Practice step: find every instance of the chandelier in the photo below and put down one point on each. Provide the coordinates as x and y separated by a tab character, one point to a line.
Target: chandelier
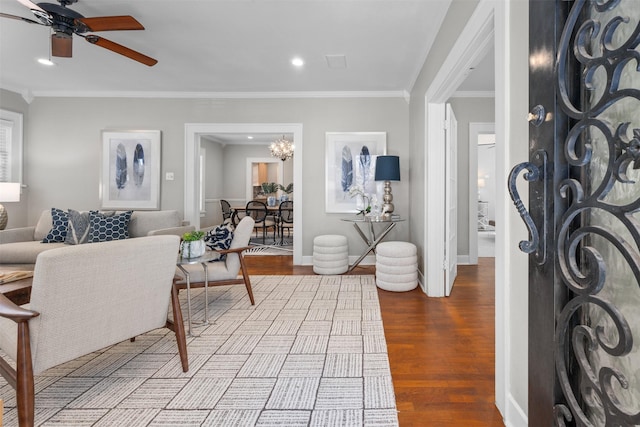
282	149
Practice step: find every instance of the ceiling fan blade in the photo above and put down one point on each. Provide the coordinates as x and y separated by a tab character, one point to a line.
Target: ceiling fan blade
122	50
19	18
31	5
61	45
111	23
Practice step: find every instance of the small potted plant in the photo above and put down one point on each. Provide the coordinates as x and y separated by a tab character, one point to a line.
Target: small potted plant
269	189
192	245
286	190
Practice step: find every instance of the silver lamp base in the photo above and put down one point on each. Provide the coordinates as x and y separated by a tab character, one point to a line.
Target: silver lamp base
387	206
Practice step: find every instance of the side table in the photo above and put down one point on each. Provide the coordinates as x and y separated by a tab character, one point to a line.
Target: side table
202	260
370	237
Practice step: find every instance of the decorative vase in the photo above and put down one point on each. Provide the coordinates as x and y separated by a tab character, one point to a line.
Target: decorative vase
192	249
271	201
284	197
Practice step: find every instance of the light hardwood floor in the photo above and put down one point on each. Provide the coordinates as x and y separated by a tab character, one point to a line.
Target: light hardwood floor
441	350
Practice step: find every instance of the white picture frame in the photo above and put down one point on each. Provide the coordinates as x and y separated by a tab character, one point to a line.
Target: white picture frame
130	173
342	149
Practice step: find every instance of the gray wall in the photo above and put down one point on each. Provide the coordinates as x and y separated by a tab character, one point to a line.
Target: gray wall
62	147
214	182
467	110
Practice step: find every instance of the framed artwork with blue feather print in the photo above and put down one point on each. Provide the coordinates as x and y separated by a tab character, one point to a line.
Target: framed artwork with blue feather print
130	173
350	170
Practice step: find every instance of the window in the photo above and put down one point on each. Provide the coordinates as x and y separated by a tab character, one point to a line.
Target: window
203	156
10	146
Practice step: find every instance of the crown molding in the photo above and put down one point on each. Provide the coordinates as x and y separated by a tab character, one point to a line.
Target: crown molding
219	95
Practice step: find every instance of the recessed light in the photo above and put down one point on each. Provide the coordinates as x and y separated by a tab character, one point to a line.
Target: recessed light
45	61
298	62
249	137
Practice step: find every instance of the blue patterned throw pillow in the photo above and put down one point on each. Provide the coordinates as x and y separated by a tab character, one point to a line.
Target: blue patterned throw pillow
78	230
59	222
219	238
104	228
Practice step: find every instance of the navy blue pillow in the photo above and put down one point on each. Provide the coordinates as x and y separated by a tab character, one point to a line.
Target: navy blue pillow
59	222
219	238
104	228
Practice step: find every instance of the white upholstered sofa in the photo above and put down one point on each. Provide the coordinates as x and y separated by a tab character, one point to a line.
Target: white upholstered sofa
21	246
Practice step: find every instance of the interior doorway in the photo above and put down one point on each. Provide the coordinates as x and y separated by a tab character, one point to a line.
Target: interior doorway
482	191
488	19
195	132
260	170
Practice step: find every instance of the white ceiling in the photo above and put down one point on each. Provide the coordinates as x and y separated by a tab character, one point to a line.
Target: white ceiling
229	46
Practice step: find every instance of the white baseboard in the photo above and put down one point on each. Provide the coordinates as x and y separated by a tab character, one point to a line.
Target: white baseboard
515	416
464	260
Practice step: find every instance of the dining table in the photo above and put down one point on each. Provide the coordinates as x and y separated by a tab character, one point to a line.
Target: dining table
273	211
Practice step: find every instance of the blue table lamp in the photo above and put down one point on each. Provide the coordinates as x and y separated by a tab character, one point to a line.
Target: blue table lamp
387	169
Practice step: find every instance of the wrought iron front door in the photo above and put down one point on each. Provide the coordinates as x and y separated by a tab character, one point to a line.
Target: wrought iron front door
584	199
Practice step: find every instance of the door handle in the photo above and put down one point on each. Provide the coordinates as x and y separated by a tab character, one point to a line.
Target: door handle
536	172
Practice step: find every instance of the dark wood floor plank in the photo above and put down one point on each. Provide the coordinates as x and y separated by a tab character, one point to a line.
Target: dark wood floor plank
441	350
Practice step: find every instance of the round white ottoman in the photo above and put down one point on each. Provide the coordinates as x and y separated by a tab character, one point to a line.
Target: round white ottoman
330	254
396	266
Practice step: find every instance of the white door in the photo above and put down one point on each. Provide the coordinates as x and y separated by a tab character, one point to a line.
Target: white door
451	199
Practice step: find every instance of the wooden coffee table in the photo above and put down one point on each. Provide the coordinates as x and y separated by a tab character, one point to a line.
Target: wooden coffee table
18	291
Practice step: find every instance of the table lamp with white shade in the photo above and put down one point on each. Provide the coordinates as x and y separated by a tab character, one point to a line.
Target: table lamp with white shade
387	169
9	192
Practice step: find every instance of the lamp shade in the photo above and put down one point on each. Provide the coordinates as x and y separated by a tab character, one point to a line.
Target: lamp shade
9	191
387	168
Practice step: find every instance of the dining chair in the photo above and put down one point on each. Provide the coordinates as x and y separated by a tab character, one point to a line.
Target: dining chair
258	211
227	212
285	216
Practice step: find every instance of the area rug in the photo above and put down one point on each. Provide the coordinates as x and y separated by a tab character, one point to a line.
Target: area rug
270	247
311	352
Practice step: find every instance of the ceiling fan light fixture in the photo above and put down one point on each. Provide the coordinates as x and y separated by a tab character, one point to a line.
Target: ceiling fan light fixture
61	44
65	23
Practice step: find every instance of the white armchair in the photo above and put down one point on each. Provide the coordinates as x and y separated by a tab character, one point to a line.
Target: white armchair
84	298
224	272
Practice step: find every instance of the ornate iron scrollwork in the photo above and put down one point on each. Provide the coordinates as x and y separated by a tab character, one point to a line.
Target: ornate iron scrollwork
607	51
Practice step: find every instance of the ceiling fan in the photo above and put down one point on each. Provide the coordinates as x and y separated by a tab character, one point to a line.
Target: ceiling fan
66	22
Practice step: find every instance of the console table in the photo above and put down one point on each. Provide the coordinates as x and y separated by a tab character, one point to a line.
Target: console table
368	235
